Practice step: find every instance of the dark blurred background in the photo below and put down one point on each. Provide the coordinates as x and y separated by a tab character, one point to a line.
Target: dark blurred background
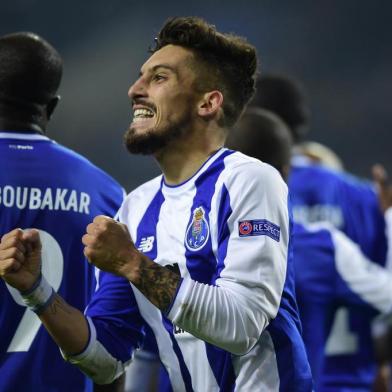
340	50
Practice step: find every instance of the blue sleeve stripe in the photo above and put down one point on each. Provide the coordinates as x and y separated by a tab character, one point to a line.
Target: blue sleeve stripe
116	317
222	367
184	370
289	350
224	213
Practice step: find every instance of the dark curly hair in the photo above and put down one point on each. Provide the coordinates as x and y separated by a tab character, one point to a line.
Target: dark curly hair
227	62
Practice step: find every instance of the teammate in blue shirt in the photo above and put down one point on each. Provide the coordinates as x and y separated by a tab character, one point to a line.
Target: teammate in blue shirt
49	187
321	194
205	246
330	269
318	193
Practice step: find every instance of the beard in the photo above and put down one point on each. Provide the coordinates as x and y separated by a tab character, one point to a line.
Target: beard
154	140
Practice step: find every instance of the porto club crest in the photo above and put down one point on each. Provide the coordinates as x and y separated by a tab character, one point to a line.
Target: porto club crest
198	230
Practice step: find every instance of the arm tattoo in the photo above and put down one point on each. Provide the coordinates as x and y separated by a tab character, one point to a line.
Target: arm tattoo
58	304
157	283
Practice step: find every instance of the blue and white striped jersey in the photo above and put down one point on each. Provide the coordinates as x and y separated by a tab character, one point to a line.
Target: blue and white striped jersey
351	205
234	323
49	187
331	272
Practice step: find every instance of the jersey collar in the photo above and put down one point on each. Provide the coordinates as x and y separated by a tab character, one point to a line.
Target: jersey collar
31	136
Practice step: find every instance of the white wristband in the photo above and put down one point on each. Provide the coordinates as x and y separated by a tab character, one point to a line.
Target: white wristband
39	296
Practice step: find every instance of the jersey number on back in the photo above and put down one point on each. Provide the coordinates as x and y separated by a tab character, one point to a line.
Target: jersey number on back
52	269
341	340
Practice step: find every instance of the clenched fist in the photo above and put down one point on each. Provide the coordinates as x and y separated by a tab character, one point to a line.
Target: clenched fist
108	245
20	258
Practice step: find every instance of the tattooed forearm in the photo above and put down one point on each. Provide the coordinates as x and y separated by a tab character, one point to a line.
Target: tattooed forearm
58	305
157	283
67	325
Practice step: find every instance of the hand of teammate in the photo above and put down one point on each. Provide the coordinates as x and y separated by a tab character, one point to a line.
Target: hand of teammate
384	189
108	245
20	258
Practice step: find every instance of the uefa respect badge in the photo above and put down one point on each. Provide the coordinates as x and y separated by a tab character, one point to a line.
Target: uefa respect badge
251	228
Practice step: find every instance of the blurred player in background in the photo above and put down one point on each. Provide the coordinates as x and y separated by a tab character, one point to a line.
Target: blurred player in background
211	262
382	326
142	375
49	187
321	154
330	269
322	194
382	334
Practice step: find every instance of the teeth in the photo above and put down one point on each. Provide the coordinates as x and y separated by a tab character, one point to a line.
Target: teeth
139	119
143	113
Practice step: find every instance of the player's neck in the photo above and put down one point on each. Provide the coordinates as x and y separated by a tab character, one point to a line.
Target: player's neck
7	124
180	161
20	127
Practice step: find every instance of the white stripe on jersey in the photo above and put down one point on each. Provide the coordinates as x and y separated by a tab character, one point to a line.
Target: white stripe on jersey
259	364
365	278
196	360
173	219
388	232
127	211
153	318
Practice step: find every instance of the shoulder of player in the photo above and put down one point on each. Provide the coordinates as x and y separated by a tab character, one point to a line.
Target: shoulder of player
241	169
339	178
316	171
76	161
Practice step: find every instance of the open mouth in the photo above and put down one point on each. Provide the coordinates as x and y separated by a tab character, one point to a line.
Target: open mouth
142	114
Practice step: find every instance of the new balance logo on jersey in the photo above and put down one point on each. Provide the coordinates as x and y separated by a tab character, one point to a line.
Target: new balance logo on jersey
177	330
146	244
